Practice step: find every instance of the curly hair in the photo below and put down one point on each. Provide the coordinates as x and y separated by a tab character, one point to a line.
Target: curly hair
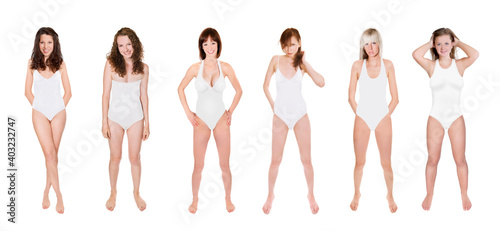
440	32
116	59
285	41
37	58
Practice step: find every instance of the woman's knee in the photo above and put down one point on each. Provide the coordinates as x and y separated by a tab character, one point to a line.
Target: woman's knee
135	159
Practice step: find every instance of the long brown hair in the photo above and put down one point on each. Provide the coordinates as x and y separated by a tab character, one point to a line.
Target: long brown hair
37	58
286	36
214	35
439	32
116	59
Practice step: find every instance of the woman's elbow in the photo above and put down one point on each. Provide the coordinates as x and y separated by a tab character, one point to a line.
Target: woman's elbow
475	55
321	84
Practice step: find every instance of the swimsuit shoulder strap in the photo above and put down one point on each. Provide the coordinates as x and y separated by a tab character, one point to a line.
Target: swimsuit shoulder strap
200	72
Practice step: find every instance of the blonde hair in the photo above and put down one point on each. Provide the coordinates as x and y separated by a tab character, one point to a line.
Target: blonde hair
368	36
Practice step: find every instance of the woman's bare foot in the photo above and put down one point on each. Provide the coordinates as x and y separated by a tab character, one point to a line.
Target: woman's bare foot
46	201
141	204
229	206
426	205
392	204
312	203
355	201
60	205
466	204
269	203
111	203
194	206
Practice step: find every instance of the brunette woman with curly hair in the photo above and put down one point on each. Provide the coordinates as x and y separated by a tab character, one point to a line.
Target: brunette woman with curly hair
126	78
46	71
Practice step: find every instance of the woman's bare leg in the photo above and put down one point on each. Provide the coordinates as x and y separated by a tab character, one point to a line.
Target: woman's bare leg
201	135
222	138
383	134
302	131
46	132
361	136
115	148
457	140
435	134
134	135
280	131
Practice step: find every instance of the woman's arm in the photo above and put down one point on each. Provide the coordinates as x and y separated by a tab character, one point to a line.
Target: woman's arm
391	77
145	102
270	71
229	72
105	100
29	84
472	55
190	74
65	83
315	76
356	67
425	63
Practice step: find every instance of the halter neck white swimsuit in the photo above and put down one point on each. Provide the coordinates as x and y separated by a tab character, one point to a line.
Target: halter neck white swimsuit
289	104
446	85
210	106
372	106
125	107
47	92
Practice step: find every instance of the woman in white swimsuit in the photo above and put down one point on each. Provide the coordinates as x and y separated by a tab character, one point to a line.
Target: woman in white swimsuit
46	72
372	111
126	81
210	110
446	83
290	110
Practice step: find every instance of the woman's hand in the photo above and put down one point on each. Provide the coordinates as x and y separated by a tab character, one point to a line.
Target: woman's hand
146	133
228	118
456	43
105	131
192	118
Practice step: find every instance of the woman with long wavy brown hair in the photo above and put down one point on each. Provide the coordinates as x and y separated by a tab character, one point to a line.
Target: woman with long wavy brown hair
46	72
126	80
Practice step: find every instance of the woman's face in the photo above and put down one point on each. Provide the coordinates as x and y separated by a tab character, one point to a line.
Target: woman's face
210	48
443	45
125	46
291	49
371	49
46	45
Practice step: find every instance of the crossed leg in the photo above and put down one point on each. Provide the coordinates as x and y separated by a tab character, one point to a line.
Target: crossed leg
49	135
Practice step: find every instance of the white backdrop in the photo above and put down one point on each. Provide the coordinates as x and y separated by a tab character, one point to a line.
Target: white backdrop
250	32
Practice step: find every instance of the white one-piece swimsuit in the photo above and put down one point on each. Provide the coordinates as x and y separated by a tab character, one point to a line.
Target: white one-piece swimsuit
210	105
289	104
446	86
125	107
47	92
372	106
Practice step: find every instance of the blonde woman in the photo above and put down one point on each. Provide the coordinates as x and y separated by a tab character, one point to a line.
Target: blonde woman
372	112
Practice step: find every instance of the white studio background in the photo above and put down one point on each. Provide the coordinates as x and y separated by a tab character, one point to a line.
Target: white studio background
250	31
